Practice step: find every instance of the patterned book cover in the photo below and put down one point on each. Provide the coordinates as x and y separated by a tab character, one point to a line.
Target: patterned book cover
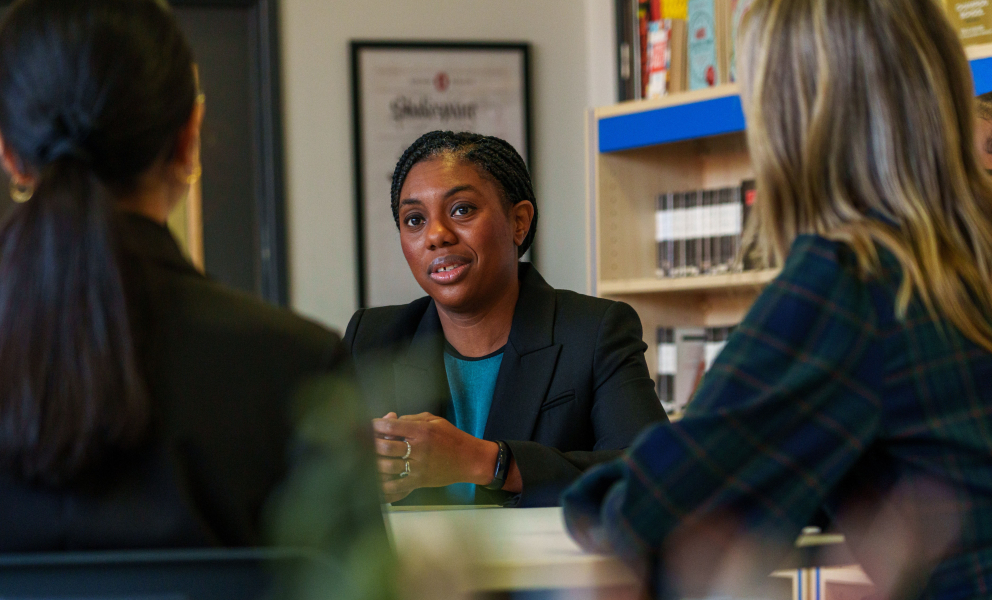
703	70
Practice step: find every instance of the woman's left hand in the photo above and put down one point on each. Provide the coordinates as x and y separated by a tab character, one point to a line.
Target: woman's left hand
440	454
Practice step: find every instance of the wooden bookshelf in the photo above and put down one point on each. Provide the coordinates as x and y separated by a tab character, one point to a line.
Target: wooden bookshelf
635	155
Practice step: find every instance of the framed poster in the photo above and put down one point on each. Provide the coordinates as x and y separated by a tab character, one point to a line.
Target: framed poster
402	90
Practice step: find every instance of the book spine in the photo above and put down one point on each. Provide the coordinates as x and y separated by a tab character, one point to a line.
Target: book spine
702	51
726	233
736	224
674	9
706	233
690	349
748	194
642	20
625	53
635	50
716	339
658	39
663	234
691	233
677	48
678	233
655	12
723	14
667	362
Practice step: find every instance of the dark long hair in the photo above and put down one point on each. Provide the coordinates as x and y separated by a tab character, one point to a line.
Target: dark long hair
493	157
92	94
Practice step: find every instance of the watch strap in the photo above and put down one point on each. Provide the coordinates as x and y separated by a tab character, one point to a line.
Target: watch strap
502	467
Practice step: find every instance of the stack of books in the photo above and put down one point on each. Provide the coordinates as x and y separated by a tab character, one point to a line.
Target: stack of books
684	356
700	232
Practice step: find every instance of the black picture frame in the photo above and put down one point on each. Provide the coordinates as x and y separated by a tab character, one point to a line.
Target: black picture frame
356	47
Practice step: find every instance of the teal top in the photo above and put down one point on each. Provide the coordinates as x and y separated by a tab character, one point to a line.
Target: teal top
472	382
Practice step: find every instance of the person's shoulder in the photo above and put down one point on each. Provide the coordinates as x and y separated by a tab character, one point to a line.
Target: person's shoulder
573	304
819	263
820	276
588	315
207	306
384	326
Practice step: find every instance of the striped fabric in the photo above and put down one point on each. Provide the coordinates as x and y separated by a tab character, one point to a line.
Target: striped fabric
822	399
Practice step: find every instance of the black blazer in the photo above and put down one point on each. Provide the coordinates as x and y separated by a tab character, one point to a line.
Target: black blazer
222	368
573	388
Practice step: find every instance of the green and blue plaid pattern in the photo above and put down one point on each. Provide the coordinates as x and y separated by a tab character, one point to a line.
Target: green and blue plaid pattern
821	398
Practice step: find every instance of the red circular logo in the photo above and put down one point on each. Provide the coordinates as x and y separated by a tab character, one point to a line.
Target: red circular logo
442	82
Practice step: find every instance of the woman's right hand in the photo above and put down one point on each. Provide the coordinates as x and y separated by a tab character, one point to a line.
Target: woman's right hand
440	454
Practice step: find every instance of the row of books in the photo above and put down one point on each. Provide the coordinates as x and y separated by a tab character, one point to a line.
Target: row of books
669	46
684	356
700	232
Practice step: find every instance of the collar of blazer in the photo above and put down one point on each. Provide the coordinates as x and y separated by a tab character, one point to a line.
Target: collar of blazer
529	361
150	240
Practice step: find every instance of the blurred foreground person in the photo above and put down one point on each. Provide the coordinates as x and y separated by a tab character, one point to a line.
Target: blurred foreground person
141	404
859	380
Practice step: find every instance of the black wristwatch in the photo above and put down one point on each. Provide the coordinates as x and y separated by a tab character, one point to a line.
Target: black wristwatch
502	467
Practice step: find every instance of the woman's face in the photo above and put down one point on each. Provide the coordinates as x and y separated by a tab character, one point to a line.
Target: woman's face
457	235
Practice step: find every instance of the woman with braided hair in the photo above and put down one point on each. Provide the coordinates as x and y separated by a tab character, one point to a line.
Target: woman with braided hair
496	388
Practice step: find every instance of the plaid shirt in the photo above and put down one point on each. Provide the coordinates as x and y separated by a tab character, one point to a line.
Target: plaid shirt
821	398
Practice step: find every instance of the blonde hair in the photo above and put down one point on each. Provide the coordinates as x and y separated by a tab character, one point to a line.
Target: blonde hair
860	126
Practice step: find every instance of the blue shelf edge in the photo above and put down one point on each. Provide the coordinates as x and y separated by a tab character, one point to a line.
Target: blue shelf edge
981	73
707	118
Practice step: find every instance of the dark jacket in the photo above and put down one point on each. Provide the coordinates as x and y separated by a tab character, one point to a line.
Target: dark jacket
573	389
222	368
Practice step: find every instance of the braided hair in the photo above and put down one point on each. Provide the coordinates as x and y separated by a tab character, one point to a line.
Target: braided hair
493	157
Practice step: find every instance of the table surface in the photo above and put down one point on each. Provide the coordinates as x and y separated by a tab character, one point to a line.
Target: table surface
495	548
480	549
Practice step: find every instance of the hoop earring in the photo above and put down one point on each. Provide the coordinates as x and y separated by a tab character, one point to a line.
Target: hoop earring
195	175
21	192
192	177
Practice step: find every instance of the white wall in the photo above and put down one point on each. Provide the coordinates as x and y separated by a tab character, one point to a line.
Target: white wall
572	68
